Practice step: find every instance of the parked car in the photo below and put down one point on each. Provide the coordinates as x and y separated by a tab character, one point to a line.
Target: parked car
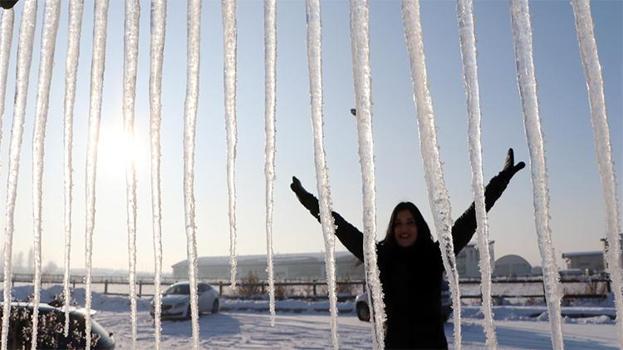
50	330
363	310
176	300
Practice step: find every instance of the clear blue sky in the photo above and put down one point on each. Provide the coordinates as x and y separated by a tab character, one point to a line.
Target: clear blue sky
577	209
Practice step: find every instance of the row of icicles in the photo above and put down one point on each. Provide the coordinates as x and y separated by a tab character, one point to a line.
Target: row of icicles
438	195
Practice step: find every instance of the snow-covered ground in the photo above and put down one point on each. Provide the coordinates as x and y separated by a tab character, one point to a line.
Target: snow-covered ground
245	325
249	330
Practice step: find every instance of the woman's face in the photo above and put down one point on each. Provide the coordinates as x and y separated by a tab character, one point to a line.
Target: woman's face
405	229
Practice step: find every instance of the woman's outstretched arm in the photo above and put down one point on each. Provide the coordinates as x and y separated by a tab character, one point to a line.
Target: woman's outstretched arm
348	234
465	226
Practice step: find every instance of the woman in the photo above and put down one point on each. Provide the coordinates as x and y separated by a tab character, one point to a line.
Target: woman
410	263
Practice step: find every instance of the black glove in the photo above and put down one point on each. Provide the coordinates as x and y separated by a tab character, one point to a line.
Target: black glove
308	200
498	183
8	4
510	168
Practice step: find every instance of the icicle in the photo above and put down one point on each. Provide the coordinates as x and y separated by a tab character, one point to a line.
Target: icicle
270	52
6	37
601	134
24	58
158	22
470	74
71	67
229	72
190	111
48	44
437	191
132	14
314	56
95	107
522	40
361	73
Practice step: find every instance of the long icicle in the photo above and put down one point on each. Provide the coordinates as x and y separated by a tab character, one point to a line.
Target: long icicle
314	56
601	135
467	37
158	26
71	67
95	111
132	15
51	15
190	112
360	42
437	191
270	53
522	41
24	58
6	37
229	79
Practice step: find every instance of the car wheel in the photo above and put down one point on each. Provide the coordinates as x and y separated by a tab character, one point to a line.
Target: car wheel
215	306
363	312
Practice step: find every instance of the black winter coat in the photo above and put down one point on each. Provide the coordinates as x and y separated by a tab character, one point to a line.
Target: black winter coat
411	277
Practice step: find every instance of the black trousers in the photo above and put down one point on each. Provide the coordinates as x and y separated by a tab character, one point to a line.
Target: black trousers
407	335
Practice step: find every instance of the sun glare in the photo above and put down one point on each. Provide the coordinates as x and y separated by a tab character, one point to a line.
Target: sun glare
116	149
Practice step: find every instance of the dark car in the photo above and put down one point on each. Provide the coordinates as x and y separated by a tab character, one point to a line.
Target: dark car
363	310
50	333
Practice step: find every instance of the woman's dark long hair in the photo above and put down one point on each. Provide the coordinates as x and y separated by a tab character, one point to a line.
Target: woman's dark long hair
422	226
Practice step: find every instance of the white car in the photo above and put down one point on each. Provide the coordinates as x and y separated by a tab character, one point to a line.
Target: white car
176	300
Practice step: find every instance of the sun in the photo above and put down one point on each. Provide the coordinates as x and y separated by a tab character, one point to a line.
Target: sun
116	149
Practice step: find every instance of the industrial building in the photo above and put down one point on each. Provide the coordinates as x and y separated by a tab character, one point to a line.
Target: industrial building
303	266
588	263
605	245
468	260
309	266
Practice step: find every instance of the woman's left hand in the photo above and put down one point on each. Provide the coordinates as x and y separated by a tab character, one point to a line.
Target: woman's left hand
510	168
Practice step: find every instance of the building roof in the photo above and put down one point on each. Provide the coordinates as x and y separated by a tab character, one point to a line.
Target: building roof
606	238
577	254
261	259
475	244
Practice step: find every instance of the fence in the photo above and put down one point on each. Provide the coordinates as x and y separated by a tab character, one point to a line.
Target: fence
503	288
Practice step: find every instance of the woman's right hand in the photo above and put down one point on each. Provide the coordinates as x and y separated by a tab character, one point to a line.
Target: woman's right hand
308	200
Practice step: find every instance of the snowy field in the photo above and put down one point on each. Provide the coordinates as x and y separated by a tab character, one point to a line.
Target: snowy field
248	330
299	325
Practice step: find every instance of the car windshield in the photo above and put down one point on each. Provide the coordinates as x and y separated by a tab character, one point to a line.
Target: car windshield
182	289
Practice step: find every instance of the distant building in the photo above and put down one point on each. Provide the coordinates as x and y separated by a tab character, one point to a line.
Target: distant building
308	266
512	266
468	260
605	243
587	262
